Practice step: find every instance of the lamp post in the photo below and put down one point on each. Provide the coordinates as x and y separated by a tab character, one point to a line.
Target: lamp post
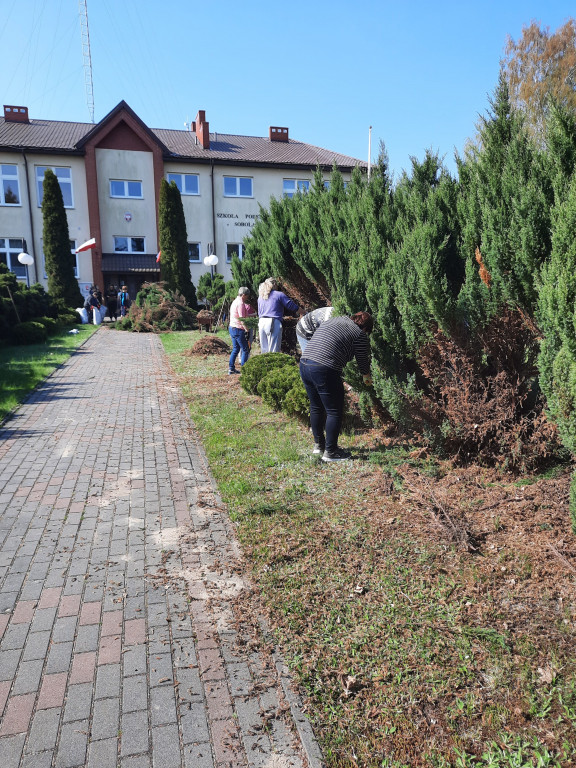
27	260
211	262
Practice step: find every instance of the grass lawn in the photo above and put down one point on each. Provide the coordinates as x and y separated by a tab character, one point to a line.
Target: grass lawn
23	368
427	611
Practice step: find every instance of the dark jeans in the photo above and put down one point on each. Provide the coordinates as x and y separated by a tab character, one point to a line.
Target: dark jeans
239	343
326	394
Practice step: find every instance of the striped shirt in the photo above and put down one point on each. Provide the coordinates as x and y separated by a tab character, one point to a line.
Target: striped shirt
309	324
337	342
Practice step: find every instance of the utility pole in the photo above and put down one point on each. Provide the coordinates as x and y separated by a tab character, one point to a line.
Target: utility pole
83	11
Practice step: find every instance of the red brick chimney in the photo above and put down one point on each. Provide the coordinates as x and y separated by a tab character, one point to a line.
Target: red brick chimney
16	114
278	134
202	129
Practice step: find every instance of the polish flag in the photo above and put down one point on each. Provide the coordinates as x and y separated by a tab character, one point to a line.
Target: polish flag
158	257
87	245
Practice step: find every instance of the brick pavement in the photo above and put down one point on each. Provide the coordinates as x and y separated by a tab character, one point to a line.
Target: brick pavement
118	572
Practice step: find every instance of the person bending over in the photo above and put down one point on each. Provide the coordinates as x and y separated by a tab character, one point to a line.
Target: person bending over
309	324
335	343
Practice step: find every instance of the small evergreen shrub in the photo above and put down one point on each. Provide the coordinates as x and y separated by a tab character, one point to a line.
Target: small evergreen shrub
276	385
296	401
51	325
29	333
68	318
259	366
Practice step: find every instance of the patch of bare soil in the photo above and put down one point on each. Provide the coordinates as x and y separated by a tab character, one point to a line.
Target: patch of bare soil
209	345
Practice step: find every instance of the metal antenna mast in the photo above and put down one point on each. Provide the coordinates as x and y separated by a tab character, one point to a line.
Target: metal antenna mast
83	10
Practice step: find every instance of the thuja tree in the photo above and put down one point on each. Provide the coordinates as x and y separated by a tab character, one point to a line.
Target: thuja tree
557	320
174	260
58	258
504	207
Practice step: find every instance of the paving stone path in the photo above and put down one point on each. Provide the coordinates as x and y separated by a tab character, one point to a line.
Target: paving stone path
118	573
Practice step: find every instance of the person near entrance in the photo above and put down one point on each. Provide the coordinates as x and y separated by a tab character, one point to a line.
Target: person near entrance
124	301
112	301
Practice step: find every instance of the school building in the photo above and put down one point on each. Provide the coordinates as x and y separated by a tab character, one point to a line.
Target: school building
110	175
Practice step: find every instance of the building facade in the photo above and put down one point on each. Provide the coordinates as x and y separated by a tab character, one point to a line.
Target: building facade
110	175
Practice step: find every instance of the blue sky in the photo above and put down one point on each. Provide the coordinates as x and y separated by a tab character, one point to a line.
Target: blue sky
419	73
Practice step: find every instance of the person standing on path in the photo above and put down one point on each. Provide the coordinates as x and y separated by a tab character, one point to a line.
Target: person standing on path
237	330
309	324
335	343
124	301
271	306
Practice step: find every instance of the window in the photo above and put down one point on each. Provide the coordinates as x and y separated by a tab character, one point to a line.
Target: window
187	183
74	259
121	188
193	251
10	247
327	185
129	245
64	176
9	190
234	248
291	186
237	186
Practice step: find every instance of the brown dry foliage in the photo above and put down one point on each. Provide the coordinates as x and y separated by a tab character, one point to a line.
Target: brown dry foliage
483	404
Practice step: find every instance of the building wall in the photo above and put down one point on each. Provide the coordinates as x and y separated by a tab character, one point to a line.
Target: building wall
230	219
212	219
126	217
25	221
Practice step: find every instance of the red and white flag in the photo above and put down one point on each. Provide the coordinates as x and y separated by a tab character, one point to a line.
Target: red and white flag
158	257
87	245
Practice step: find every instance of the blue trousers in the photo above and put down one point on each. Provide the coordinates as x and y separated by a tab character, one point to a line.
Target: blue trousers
325	391
239	344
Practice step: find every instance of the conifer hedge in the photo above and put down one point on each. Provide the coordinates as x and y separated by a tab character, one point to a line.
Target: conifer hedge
464	273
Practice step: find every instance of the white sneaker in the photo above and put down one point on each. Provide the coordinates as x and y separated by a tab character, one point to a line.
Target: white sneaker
336	455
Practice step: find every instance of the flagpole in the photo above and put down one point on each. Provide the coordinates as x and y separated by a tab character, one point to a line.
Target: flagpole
369	150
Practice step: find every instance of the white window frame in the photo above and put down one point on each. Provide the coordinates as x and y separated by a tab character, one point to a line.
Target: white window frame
238	179
5	175
126	183
237	248
181	184
199	259
55	169
12	252
129	239
300	185
73	252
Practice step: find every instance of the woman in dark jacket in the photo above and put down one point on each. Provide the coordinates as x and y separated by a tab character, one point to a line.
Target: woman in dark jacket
335	342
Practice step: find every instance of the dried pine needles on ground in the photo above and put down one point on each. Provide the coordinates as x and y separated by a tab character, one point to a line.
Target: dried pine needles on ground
428	611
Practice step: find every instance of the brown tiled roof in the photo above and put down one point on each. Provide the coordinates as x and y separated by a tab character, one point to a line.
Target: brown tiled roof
53	135
42	135
251	149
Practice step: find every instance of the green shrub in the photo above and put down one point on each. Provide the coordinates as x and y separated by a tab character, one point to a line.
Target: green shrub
49	324
124	324
296	402
274	387
69	318
259	366
29	333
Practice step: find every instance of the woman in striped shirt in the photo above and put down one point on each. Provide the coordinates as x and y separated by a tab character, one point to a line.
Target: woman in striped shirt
335	343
